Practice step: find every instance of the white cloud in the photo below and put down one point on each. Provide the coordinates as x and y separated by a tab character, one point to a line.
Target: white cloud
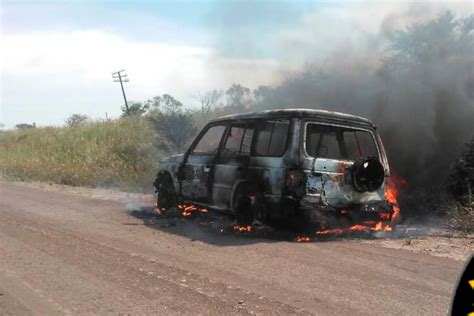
50	75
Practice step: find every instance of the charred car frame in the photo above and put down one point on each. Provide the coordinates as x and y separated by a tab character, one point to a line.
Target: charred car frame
280	164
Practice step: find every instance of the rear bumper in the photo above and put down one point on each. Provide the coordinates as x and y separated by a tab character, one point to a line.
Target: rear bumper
310	203
374	212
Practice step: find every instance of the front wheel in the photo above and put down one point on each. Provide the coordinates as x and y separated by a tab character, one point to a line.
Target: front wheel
165	195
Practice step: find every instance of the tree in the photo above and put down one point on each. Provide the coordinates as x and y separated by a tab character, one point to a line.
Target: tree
165	103
76	120
25	125
238	96
209	101
135	108
170	121
263	92
461	179
170	104
434	41
177	127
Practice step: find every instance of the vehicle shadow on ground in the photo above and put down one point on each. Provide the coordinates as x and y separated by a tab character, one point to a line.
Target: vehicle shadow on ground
211	227
218	229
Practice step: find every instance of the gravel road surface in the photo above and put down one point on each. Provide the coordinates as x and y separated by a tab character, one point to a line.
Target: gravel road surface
64	252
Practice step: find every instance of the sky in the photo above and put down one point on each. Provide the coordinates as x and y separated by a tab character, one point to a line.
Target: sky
57	57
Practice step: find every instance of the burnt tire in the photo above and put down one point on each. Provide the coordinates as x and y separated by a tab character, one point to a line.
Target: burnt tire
165	194
367	174
248	205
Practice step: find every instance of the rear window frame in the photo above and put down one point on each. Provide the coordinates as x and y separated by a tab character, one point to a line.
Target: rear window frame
371	131
259	123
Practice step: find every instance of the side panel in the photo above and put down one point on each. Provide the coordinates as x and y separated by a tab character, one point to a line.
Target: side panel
195	181
270	172
227	172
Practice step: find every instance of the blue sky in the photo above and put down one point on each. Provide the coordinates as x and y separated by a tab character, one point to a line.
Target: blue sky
176	22
60	54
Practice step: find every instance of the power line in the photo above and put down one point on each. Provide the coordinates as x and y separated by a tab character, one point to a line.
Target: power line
121	76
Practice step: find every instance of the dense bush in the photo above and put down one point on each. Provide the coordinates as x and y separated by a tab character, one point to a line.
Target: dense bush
123	153
461	187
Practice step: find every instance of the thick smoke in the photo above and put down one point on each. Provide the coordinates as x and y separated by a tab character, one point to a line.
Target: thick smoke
412	73
416	84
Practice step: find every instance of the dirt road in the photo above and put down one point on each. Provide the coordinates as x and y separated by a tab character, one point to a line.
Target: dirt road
62	252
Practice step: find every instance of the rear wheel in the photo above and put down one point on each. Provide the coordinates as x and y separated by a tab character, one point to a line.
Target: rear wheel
248	205
165	195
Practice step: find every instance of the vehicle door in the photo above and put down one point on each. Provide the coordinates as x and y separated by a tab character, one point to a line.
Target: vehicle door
329	149
267	163
197	166
231	165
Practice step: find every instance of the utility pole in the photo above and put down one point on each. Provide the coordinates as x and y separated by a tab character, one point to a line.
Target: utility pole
121	76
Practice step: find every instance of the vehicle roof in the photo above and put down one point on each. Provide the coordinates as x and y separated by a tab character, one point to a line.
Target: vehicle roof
296	112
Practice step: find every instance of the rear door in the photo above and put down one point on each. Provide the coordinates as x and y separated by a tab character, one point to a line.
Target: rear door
197	166
231	165
329	149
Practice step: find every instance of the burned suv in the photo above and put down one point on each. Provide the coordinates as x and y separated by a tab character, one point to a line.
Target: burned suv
281	164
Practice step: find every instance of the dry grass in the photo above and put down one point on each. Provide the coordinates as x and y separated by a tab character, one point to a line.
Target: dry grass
117	153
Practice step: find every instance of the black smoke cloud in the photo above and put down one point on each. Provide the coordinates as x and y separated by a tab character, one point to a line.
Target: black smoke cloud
416	84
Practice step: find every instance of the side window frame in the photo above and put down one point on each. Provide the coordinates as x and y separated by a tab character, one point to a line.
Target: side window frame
258	128
247	123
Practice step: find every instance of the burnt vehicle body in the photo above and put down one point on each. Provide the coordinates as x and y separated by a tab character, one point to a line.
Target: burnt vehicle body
279	164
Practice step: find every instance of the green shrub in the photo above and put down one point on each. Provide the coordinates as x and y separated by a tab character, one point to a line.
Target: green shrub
121	153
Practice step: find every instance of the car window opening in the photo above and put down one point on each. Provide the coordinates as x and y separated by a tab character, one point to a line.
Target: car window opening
209	142
238	141
272	137
336	142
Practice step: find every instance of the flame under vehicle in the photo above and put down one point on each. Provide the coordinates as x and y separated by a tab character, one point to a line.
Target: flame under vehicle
282	164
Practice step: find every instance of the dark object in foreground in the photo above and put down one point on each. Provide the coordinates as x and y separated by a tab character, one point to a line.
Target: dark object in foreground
282	164
463	300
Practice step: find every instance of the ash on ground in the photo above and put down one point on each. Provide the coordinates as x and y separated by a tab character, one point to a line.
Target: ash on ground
219	228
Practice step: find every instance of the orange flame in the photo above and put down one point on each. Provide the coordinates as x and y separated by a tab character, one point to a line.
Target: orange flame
302	239
188	210
385	216
242	228
335	231
365	226
159	211
391	193
358	227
